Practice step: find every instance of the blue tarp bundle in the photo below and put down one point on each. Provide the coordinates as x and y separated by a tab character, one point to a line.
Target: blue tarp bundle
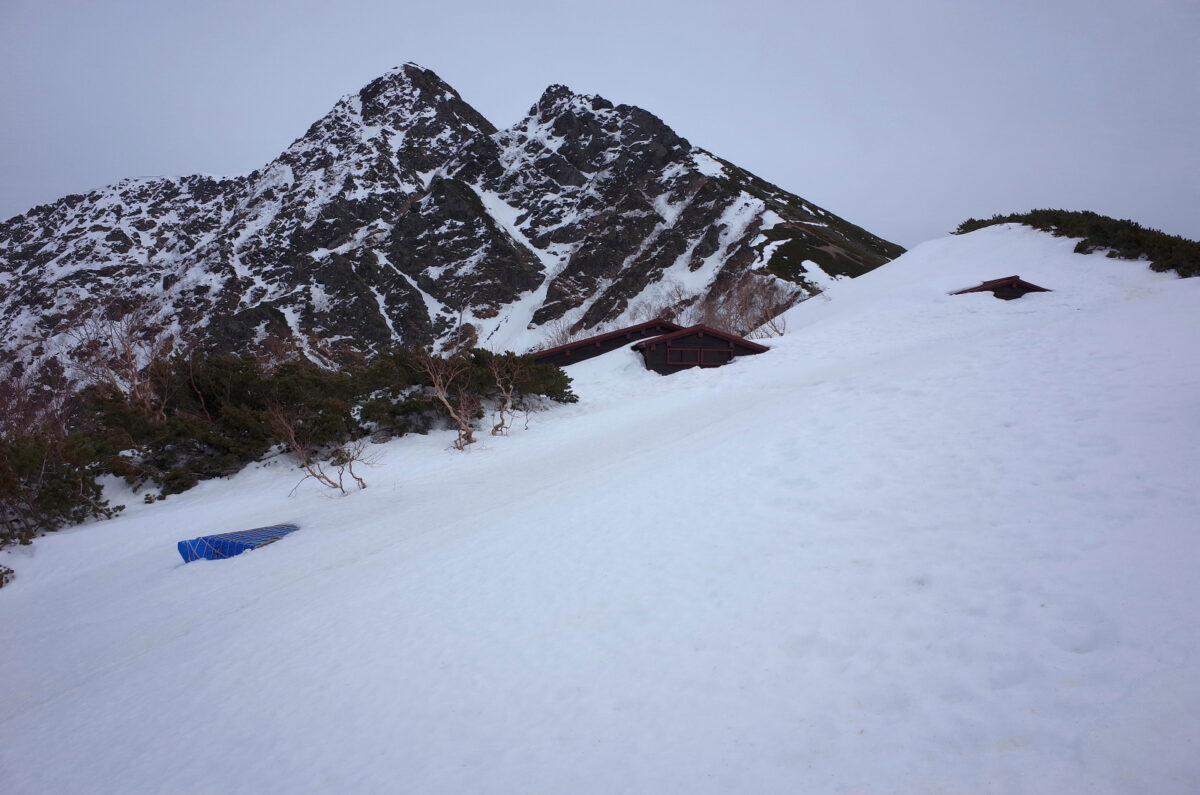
226	545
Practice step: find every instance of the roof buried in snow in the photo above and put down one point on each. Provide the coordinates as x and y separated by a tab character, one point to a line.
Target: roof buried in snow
665	346
694	346
1008	288
581	350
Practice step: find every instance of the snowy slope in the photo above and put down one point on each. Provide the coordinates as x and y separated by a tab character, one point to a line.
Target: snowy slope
925	544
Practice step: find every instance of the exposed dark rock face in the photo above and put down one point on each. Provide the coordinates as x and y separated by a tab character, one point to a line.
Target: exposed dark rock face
403	215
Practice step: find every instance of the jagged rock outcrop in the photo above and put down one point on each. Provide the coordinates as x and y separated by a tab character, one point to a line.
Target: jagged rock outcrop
403	215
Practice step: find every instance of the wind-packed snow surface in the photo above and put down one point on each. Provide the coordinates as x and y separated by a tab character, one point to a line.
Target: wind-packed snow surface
927	543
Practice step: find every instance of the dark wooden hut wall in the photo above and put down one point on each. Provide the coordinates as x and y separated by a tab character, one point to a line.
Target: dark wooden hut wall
698	346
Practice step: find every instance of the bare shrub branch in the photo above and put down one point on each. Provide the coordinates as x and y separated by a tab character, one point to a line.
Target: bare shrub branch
449	380
507	371
746	307
558	332
285	424
126	357
774	327
39	397
672	303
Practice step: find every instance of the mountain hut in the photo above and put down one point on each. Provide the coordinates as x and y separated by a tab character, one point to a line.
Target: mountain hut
1006	289
695	346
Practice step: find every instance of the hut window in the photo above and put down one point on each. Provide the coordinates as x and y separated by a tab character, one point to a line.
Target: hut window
716	356
683	356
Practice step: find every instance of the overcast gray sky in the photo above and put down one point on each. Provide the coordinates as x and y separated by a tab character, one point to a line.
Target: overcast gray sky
905	118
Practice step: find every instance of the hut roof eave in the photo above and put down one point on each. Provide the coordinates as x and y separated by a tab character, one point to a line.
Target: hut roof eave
703	329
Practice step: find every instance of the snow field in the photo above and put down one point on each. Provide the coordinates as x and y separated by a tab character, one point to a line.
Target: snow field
925	544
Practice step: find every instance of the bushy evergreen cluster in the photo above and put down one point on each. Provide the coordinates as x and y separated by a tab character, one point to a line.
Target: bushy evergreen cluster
1123	239
211	415
47	480
203	416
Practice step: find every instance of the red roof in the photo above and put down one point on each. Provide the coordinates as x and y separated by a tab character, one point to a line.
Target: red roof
1008	282
702	329
604	337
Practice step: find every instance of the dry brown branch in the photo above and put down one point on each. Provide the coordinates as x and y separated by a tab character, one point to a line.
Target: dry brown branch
745	307
774	327
345	457
37	397
558	332
127	358
448	380
506	371
672	303
286	426
461	339
274	349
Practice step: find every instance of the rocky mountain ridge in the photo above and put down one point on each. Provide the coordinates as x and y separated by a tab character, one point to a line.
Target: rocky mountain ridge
405	216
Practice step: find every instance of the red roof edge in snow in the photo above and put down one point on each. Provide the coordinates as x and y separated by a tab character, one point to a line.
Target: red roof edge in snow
1007	288
580	350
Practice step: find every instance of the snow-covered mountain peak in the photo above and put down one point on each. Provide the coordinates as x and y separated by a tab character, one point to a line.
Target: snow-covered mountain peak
403	215
586	127
409	115
558	98
414	89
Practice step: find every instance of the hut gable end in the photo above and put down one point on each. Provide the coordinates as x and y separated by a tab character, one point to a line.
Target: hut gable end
695	346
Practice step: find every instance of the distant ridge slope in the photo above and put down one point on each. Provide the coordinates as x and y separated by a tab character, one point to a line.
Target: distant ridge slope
1124	239
405	216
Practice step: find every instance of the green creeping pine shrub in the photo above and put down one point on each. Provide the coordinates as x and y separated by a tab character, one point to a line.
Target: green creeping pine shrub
530	378
212	425
219	413
212	415
209	416
48	481
401	415
1123	239
548	380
